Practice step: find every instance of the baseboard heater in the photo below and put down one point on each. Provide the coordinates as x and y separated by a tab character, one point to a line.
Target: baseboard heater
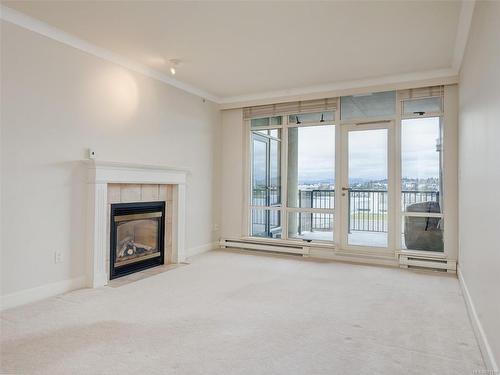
422	261
262	246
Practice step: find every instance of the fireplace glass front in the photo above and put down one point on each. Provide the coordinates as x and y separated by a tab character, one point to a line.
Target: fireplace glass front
137	237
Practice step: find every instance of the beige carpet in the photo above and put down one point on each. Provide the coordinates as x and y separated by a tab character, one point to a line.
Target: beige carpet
246	313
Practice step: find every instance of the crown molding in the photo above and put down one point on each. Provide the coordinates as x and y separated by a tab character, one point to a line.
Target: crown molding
394	82
42	28
463	28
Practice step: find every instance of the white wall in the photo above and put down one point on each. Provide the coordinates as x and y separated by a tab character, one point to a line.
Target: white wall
232	173
56	102
450	170
479	181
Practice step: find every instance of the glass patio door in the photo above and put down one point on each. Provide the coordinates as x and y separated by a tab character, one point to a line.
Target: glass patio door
367	186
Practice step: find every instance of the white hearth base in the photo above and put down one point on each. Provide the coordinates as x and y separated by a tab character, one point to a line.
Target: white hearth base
100	174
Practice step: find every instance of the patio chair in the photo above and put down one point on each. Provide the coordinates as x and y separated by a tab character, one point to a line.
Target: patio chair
424	233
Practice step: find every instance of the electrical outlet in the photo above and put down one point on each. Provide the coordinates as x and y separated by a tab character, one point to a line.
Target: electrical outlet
58	258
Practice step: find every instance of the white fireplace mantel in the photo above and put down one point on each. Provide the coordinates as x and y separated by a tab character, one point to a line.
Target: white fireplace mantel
100	174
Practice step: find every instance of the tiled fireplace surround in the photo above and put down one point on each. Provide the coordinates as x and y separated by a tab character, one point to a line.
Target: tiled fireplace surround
124	183
127	193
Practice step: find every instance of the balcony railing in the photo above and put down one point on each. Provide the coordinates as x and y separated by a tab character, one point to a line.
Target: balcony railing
367	208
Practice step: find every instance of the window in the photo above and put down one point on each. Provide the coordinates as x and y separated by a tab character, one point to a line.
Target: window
421	184
265	223
310	226
422	106
423	233
266	182
293	191
311	166
421	162
421	101
311	181
308	135
360	106
266	121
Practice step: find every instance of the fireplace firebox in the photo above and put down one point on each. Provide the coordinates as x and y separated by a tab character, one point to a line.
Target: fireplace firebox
137	237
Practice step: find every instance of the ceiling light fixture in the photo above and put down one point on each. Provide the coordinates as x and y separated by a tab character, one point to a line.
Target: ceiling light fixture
174	63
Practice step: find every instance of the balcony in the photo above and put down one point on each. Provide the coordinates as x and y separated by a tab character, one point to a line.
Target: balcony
368	219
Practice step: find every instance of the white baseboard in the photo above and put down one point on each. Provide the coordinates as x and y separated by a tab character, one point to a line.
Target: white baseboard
201	249
370	259
481	337
40	292
53	289
309	250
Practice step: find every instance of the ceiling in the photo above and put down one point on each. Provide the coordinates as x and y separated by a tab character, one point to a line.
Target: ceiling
237	49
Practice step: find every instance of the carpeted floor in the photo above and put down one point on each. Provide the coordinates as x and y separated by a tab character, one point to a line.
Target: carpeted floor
247	313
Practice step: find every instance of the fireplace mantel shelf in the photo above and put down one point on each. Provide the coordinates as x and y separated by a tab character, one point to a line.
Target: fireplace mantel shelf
121	165
102	173
128	173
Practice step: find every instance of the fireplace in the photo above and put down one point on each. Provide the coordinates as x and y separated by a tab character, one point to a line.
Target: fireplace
113	183
137	237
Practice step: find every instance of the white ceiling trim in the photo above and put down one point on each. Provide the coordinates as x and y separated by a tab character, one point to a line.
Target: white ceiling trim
464	22
393	82
32	24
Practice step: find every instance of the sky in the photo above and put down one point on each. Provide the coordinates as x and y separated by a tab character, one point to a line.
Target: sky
316	153
368	154
418	144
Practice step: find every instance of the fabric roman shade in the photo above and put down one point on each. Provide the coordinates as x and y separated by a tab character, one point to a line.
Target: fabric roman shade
306	106
421	92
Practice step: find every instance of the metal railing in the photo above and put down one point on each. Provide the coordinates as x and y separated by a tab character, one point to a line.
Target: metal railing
367	208
265	222
309	222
